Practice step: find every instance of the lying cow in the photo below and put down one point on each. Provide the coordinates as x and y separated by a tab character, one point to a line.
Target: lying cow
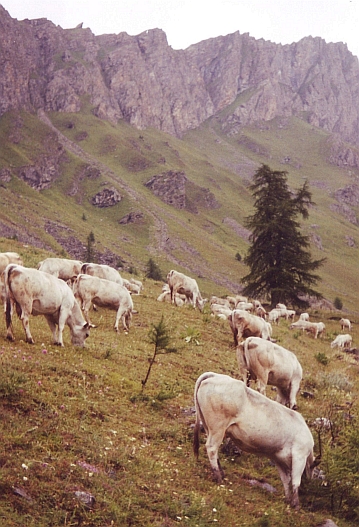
62	268
244	324
257	425
220	311
269	363
90	290
180	283
34	292
342	341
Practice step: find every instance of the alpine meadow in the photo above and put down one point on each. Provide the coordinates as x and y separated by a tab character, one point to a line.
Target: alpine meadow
234	162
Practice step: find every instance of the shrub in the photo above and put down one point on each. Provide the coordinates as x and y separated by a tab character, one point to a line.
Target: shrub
153	271
338	304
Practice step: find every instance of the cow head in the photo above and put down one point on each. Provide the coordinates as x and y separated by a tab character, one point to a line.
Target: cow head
80	334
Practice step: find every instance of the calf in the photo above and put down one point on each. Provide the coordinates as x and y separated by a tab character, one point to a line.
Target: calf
257	425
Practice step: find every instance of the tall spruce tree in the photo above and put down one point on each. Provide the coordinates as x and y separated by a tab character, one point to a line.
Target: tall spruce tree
281	266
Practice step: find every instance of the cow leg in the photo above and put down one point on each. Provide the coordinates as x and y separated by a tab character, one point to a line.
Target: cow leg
285	477
212	445
61	324
53	327
26	326
262	383
282	396
86	306
293	390
120	315
298	466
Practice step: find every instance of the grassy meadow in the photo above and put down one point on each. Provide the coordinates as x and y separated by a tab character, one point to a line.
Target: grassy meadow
84	443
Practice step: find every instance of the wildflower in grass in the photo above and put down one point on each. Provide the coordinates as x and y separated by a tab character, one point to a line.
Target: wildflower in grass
39	383
44	351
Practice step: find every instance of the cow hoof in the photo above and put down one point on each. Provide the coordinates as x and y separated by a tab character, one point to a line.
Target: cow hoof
30	341
10	337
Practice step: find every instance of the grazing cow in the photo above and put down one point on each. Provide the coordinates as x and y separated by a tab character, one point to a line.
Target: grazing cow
35	292
269	363
90	290
9	257
257	425
137	282
260	312
103	271
244	324
345	324
274	315
281	306
316	328
342	341
180	283
304	316
62	268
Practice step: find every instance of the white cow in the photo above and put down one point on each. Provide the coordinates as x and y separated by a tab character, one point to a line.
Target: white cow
220	310
269	363
102	271
9	257
342	341
133	288
247	306
34	292
180	283
62	268
244	324
345	324
315	328
304	316
90	290
257	425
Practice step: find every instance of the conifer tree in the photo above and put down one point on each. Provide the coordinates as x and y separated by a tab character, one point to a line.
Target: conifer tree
281	266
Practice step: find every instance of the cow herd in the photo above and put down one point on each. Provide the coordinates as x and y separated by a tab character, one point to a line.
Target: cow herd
64	290
228	407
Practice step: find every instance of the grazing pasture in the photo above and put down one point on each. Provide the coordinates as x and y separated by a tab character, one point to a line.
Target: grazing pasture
83	443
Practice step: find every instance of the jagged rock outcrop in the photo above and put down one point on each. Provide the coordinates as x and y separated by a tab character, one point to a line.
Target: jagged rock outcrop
143	80
170	187
342	154
108	197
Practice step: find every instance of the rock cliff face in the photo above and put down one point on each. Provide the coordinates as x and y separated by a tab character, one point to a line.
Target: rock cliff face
143	80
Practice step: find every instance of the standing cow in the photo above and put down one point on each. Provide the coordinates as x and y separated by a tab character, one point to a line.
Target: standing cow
180	283
257	425
62	268
90	290
269	363
34	292
103	271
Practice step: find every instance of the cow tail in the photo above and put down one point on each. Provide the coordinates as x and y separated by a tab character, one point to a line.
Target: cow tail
199	415
9	295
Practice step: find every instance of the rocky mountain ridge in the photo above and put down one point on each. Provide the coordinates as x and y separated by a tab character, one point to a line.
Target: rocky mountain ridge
142	80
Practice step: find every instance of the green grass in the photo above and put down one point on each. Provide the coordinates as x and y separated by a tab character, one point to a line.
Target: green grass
77	420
